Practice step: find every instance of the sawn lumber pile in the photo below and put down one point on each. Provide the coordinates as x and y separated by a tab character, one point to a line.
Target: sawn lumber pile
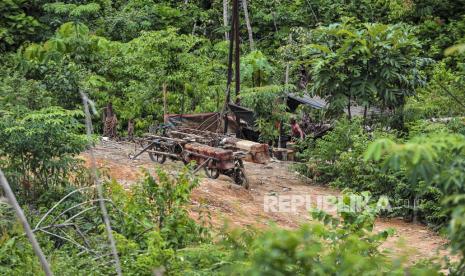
223	159
255	152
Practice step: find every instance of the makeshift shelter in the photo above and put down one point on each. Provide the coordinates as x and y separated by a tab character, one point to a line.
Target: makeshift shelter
294	100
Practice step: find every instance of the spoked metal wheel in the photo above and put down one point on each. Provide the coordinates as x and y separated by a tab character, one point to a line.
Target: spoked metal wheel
240	178
212	173
238	175
159	158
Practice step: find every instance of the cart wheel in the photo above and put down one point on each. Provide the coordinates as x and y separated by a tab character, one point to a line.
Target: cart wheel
157	158
240	178
212	173
184	157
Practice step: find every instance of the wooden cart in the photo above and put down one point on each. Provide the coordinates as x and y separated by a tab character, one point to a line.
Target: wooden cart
214	160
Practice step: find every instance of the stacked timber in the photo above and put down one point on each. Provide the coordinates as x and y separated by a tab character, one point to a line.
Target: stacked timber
217	153
224	159
255	152
284	154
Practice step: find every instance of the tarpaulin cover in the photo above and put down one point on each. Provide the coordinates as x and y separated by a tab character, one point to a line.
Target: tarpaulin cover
245	114
294	100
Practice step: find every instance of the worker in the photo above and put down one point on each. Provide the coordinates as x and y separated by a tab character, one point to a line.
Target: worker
296	131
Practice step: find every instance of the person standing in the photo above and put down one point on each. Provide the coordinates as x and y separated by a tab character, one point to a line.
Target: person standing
296	131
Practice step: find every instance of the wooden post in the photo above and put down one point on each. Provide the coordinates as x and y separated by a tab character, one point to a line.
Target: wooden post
164	103
237	51
229	79
286	84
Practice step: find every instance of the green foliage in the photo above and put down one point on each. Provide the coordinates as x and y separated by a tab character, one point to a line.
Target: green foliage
435	8
459	48
144	242
161	203
15	25
269	107
363	10
73	39
125	52
17	257
439	36
338	160
16	254
18	94
136	16
142	66
255	68
38	148
131	75
437	160
343	246
442	97
369	64
336	245
62	11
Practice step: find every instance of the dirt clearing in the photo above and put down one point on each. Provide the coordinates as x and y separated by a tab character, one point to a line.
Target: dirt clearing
230	203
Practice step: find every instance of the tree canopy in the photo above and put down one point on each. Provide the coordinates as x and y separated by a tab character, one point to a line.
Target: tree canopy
404	59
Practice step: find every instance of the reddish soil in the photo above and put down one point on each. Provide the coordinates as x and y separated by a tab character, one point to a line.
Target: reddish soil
231	204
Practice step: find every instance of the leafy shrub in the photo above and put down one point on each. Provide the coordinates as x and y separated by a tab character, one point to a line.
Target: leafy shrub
256	69
442	97
38	149
160	202
17	257
150	223
437	160
369	64
338	160
19	94
147	244
16	25
268	105
343	246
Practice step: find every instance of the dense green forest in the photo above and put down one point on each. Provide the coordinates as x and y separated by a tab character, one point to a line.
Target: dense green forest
403	58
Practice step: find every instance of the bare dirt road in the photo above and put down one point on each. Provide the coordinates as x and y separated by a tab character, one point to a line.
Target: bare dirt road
229	203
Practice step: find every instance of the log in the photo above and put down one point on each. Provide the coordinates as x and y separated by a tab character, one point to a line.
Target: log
256	152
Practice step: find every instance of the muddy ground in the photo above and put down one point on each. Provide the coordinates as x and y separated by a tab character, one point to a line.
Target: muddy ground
231	204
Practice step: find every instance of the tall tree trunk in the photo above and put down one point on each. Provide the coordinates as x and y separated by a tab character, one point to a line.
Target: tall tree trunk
237	72
348	109
249	26
313	12
288	64
194	28
237	50
273	14
365	113
225	19
230	73
165	105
